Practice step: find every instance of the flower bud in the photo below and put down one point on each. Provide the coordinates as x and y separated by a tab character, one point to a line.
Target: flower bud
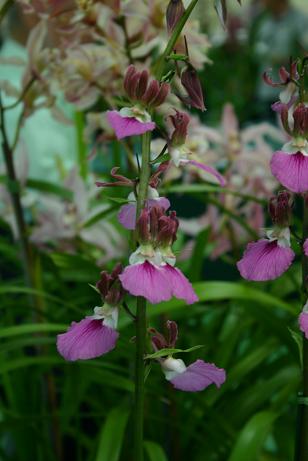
110	287
280	208
175	11
192	85
168	226
180	122
173	332
156	213
142	227
300	116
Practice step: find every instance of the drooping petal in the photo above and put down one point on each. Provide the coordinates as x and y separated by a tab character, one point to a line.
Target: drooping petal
127	126
147	280
291	170
127	216
264	260
180	285
86	339
303	323
198	376
209	170
305	246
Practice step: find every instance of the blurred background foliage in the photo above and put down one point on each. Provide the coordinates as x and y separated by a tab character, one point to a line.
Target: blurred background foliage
52	410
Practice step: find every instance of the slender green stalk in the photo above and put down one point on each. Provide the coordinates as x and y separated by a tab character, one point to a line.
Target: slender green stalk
141	315
159	68
302	450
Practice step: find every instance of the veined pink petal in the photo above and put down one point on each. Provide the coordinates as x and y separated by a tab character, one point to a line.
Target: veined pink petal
303	323
180	285
198	376
306	247
146	280
264	260
86	339
127	216
210	170
291	170
127	126
161	201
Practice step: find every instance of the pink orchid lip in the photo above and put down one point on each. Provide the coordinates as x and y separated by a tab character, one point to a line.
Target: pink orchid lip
212	171
265	260
198	376
127	126
157	283
291	170
86	339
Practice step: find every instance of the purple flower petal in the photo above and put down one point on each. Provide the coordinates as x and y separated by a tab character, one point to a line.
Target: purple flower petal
303	323
291	170
264	260
198	376
161	201
306	247
127	126
210	170
86	339
127	216
146	280
180	285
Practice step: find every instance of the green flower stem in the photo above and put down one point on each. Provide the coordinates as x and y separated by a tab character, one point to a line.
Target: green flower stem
160	65
302	449
141	314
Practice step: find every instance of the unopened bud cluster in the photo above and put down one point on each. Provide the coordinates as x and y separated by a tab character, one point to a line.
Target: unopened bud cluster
110	286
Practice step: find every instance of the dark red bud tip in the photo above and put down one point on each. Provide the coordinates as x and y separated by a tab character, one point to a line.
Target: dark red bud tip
168	226
142	84
110	287
180	122
156	213
280	208
161	95
300	116
131	70
175	11
192	85
173	332
143	226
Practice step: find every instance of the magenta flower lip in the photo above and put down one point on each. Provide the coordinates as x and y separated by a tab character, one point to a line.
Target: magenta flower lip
86	339
265	260
127	126
157	283
198	376
291	170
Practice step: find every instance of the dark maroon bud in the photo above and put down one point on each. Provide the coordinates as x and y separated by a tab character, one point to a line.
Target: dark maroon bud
151	92
180	122
168	226
134	82
161	95
115	294
142	226
280	208
158	340
103	284
173	332
155	178
156	213
131	70
192	85
175	11
142	84
300	116
284	75
116	271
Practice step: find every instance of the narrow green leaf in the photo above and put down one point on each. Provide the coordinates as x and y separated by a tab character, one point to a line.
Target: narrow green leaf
154	451
81	146
298	338
251	439
112	435
49	187
31	328
170	351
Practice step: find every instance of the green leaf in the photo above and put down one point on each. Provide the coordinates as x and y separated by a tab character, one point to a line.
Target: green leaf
198	255
221	9
81	146
154	451
45	186
251	439
99	216
31	328
169	351
161	159
120	200
112	435
298	338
